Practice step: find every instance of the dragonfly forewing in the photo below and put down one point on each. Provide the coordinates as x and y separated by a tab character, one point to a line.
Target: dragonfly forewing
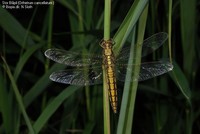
149	45
148	70
73	58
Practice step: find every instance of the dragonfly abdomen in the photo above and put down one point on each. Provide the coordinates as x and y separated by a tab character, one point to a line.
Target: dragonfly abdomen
112	86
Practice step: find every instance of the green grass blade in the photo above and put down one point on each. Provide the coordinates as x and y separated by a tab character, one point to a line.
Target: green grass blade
89	12
23	59
181	81
5	106
69	6
52	107
170	30
77	24
141	31
130	88
107	19
40	86
128	23
124	104
188	29
18	97
89	128
49	34
50	24
106	105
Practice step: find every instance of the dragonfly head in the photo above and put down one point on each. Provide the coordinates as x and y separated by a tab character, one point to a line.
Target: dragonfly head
107	44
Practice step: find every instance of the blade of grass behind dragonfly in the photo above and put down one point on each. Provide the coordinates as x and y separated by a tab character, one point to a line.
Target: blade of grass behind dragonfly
49	45
18	98
5	107
128	23
78	18
130	88
188	30
83	38
52	107
40	85
49	34
23	59
182	83
170	29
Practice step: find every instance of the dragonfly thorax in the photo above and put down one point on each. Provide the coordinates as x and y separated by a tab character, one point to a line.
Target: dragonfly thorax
107	46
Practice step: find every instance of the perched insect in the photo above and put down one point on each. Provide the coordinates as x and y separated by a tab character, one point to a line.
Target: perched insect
88	69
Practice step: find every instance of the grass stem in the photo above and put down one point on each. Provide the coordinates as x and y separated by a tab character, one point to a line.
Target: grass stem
106	109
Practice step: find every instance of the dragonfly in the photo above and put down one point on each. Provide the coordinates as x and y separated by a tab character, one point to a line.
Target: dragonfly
88	67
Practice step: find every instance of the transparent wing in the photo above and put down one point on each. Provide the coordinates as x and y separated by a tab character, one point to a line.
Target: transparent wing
73	58
147	70
149	45
78	76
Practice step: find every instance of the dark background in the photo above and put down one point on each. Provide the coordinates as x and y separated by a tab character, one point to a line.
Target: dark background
162	105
